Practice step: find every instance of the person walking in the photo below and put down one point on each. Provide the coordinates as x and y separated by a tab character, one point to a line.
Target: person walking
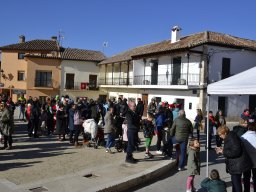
193	163
237	159
159	129
109	129
133	124
181	129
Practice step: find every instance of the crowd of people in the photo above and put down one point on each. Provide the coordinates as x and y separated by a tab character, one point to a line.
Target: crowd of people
121	119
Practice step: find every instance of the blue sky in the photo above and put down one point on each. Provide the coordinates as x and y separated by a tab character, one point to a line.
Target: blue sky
124	24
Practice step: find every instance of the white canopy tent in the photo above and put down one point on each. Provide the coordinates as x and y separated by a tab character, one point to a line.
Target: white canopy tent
243	83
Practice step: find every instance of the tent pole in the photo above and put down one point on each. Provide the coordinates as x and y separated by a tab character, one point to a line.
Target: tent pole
207	137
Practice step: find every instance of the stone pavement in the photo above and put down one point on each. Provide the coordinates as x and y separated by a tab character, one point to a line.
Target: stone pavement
46	164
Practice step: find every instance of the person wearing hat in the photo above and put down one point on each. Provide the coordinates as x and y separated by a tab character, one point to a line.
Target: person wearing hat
7	126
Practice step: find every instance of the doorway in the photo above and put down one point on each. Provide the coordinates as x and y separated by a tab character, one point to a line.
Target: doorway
145	102
70	80
92	82
176	69
154	72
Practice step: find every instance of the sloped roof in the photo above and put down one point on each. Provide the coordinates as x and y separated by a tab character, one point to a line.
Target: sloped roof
82	55
34	45
186	42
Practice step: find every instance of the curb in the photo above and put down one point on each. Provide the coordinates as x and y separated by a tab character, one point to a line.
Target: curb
137	179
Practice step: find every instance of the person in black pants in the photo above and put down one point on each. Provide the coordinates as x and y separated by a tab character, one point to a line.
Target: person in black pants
133	124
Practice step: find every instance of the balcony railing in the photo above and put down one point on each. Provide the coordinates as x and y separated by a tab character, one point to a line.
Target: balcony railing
115	81
179	79
43	83
80	86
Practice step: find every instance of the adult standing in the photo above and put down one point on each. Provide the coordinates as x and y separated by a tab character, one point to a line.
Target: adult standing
7	127
198	122
22	105
152	106
61	122
212	123
220	120
237	159
140	108
109	129
182	128
34	119
249	141
133	123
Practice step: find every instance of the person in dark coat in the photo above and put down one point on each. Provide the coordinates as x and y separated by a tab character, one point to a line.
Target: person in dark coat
152	106
241	128
133	124
61	120
140	107
34	119
118	121
237	160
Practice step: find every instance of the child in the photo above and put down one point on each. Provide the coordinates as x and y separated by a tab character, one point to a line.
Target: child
193	163
214	183
148	130
125	138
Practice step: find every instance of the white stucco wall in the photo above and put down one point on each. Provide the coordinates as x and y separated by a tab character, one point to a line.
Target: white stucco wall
166	95
165	63
81	69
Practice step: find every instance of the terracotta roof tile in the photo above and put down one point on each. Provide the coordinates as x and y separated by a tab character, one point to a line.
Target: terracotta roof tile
82	55
186	42
34	45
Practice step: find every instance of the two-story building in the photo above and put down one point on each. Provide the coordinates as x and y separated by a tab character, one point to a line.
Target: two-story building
179	70
80	73
41	68
31	68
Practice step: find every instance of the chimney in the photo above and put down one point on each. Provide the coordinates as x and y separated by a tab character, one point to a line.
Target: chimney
21	39
175	34
54	38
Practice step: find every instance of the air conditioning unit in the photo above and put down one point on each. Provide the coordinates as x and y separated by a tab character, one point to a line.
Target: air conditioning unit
181	82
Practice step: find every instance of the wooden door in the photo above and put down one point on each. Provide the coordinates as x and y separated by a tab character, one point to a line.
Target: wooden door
92	82
145	101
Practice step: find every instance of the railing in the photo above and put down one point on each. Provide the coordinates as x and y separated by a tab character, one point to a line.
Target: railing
177	79
115	81
79	86
43	83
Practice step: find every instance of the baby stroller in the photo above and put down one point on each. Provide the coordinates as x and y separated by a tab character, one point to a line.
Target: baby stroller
96	133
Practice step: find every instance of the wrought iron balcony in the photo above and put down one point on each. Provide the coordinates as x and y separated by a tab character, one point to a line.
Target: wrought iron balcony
177	79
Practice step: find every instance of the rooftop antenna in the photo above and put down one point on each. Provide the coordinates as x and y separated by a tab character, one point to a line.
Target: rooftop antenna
104	46
60	37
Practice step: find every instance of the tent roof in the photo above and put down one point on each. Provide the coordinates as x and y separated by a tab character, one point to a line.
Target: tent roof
243	83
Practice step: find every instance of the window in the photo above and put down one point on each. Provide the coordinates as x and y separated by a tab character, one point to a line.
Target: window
225	68
43	79
222	104
21	75
21	55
